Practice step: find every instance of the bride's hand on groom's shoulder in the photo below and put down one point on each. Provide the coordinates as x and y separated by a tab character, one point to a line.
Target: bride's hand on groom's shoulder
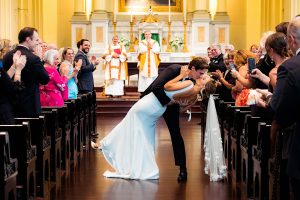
184	71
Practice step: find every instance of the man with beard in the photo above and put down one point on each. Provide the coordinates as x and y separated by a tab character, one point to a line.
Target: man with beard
85	75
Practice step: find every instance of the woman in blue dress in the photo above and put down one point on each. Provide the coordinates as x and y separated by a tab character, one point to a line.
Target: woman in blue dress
67	61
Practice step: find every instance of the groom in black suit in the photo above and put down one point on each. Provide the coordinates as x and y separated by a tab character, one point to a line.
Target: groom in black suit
197	67
286	102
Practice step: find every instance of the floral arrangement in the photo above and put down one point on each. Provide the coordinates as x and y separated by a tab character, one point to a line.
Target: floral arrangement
176	42
125	41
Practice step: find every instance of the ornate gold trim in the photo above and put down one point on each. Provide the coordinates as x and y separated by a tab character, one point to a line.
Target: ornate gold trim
155	8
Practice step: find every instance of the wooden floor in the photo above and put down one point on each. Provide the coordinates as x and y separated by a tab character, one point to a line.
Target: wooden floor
87	182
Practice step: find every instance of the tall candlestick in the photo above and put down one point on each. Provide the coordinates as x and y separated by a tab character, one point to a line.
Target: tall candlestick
169	10
184	10
169	38
115	10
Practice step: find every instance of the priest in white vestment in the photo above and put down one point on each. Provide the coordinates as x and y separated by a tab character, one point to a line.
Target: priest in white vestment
148	61
116	70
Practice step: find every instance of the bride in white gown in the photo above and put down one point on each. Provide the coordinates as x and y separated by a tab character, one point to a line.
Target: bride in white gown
129	147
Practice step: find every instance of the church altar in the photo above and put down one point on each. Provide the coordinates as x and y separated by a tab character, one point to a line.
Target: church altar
132	66
195	31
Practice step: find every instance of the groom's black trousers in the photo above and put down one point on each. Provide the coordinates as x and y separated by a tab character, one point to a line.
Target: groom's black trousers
171	117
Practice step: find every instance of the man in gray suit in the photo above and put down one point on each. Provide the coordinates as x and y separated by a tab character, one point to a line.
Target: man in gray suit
85	75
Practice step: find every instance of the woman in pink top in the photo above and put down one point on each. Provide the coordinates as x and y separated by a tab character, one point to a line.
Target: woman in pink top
56	91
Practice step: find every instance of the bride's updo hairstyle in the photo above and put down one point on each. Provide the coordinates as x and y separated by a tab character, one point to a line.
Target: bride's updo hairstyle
209	88
189	98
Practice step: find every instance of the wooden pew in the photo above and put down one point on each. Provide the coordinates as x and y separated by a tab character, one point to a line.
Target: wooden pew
92	112
236	131
260	153
73	117
42	141
94	115
86	123
21	148
80	115
247	140
65	126
8	170
55	132
226	124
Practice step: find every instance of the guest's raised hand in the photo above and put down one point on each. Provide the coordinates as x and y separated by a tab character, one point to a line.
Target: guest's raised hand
217	74
256	73
20	62
16	56
94	60
64	70
234	73
78	64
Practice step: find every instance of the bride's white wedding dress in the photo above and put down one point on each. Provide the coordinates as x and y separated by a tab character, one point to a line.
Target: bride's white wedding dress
129	147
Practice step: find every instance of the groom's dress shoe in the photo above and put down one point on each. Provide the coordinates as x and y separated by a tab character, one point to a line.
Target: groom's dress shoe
182	177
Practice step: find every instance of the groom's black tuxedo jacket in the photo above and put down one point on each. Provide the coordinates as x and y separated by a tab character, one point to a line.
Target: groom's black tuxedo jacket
157	86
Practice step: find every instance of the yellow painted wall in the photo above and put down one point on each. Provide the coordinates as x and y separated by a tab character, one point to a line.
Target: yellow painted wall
238	30
50	21
253	22
64	15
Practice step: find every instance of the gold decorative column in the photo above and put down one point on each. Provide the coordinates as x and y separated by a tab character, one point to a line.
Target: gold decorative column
99	9
79	7
131	48
222	6
79	11
115	28
201	9
169	38
221	12
185	49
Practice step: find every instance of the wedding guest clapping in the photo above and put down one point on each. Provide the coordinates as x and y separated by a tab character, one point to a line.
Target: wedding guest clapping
56	91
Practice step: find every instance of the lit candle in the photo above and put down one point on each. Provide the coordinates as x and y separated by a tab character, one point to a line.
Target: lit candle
115	10
130	16
169	10
184	10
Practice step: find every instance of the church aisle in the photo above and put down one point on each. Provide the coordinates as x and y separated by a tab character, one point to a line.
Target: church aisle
87	182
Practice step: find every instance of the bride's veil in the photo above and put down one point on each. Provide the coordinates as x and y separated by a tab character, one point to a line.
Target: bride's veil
214	157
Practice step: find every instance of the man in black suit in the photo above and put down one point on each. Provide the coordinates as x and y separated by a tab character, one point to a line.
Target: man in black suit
286	102
197	67
27	101
85	74
217	61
